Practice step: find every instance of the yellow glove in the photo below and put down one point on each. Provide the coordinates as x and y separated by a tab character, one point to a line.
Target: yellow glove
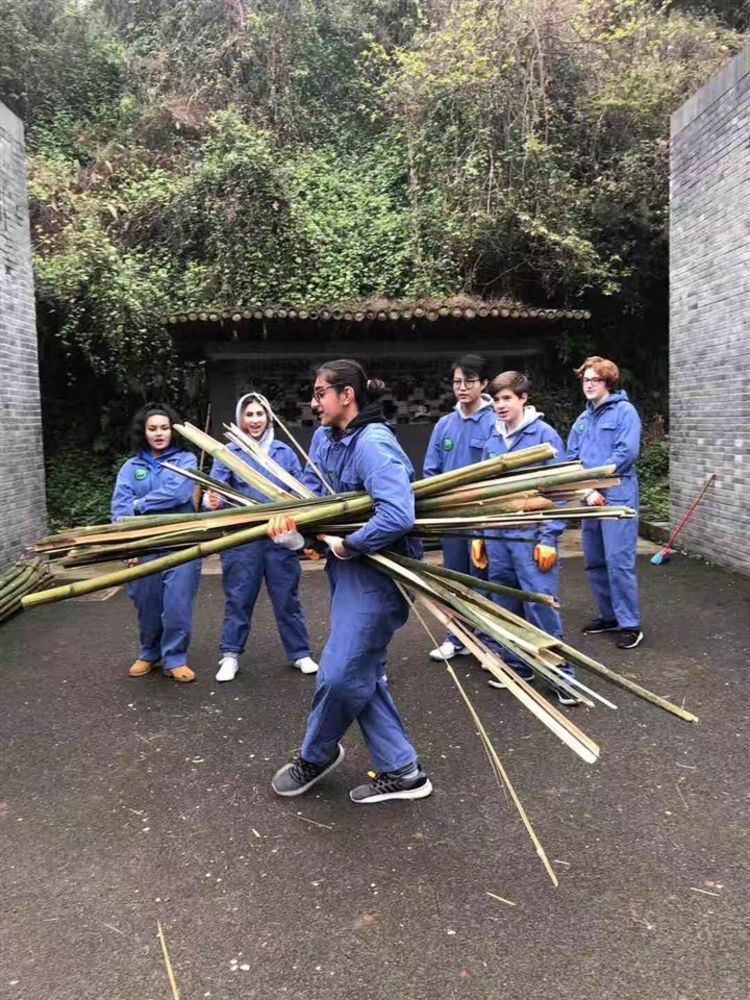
545	556
479	553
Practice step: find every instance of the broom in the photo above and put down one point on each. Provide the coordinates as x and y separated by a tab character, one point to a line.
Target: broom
664	553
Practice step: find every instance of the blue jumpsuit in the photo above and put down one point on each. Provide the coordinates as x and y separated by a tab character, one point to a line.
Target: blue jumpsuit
457	441
245	567
512	564
163	601
366	605
610	434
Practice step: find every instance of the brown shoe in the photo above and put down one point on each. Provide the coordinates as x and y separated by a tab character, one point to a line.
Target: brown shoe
141	667
182	674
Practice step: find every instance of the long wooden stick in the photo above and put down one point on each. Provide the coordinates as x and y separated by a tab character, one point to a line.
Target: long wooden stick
488	746
168	963
303	453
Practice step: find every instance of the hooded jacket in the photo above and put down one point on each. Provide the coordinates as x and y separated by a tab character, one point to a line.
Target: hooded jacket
457	440
531	431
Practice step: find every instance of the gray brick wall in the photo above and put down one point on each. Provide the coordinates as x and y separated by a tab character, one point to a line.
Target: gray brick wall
22	497
710	315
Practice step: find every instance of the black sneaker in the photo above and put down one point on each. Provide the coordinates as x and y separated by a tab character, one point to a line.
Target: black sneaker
599	625
393	785
630	638
299	774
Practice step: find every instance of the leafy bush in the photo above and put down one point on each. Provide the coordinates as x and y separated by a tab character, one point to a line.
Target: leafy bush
79	488
653	476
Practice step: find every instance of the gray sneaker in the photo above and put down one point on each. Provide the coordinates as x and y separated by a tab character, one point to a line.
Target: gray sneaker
299	774
393	785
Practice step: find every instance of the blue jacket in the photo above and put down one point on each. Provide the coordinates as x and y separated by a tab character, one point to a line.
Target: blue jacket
457	440
533	431
369	459
610	434
279	452
143	486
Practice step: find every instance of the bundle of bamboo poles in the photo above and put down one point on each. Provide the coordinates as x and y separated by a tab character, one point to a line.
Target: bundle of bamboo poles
496	494
23	578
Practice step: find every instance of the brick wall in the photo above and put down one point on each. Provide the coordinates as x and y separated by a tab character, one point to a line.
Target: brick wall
22	497
710	315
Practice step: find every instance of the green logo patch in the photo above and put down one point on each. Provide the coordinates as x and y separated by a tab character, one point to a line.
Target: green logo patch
140	473
448	444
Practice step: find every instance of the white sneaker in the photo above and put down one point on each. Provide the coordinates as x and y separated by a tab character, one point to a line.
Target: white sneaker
228	667
495	683
446	651
306	664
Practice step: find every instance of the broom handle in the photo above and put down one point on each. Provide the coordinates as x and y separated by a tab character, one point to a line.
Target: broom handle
686	517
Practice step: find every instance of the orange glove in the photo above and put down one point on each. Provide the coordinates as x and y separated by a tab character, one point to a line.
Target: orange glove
595	499
545	556
279	524
282	530
479	554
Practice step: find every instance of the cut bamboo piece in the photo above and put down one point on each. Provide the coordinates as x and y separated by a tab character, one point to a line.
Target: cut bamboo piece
251	447
241	469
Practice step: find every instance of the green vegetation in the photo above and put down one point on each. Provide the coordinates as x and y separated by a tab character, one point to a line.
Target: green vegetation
186	152
653	477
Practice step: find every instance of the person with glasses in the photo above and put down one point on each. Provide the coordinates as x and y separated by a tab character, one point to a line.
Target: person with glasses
608	432
356	451
457	440
245	567
524	557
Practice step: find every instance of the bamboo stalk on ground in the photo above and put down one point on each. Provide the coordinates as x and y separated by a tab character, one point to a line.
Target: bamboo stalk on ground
494	759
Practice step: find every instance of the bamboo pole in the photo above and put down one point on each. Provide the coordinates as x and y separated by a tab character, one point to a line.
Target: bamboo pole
575	656
491	752
316	514
304	454
241	469
490	466
471	581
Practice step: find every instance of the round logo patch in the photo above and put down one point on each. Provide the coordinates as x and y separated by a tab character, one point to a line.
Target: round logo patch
140	473
448	444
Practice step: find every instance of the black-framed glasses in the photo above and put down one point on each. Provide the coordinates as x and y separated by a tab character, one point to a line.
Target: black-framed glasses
589	380
318	394
464	383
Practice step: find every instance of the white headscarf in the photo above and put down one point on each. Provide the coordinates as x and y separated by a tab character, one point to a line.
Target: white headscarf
266	439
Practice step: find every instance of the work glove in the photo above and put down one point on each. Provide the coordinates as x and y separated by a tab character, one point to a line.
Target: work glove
283	531
594	499
479	554
545	556
212	500
338	546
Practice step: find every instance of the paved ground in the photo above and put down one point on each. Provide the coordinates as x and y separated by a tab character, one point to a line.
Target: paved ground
126	802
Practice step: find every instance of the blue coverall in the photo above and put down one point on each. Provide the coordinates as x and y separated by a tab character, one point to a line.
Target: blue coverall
163	601
610	434
512	563
457	441
245	567
366	605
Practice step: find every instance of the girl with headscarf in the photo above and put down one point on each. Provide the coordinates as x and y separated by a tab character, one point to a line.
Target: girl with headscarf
244	568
